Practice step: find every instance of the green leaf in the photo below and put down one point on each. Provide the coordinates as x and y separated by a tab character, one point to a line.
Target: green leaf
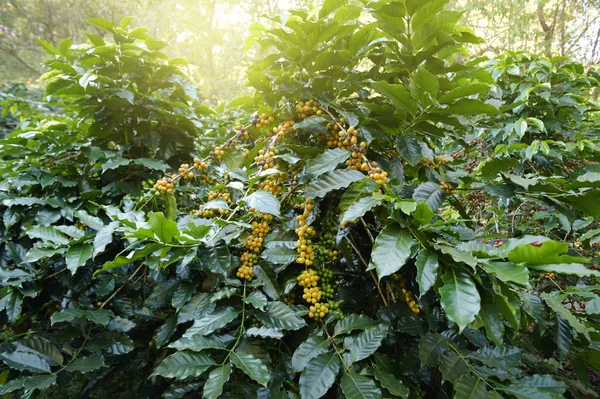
263	201
469	107
563	336
539	253
332	181
25	361
464	91
77	256
452	366
35	254
398	96
50	49
366	343
183	365
87	364
431	346
431	193
330	6
491	168
102	23
44	347
424	87
164	332
391	251
319	375
11	385
357	191
390	382
92	222
98	316
470	387
281	316
164	229
12	302
410	149
251	366
576	269
326	162
115	163
492	319
47	234
556	305
104	237
356	386
427	270
131	257
508	272
198	343
154	164
257	299
359	208
308	350
279	255
215	258
211	322
507	358
459	297
423	214
264	332
537	387
352	322
213	388
40	382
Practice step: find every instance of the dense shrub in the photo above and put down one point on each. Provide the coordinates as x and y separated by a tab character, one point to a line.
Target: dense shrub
385	217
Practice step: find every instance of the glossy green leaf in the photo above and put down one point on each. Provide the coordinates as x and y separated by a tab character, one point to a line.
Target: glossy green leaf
356	386
332	181
215	381
391	251
251	366
319	375
263	201
184	364
427	270
459	297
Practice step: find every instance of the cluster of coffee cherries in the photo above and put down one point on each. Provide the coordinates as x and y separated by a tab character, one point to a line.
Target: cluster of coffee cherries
242	133
262	120
498	243
165	185
284	129
185	171
265	159
308	108
357	157
340	137
309	280
306	254
260	229
212	212
254	243
246	270
218	152
378	175
273	183
289	299
80	226
409	298
326	250
448	189
224	195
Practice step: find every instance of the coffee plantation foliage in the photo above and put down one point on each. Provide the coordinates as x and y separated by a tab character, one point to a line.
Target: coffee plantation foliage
386	217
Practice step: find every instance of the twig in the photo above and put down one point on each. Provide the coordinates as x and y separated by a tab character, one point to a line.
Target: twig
383	298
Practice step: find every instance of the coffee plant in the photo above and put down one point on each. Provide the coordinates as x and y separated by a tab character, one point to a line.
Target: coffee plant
385	217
